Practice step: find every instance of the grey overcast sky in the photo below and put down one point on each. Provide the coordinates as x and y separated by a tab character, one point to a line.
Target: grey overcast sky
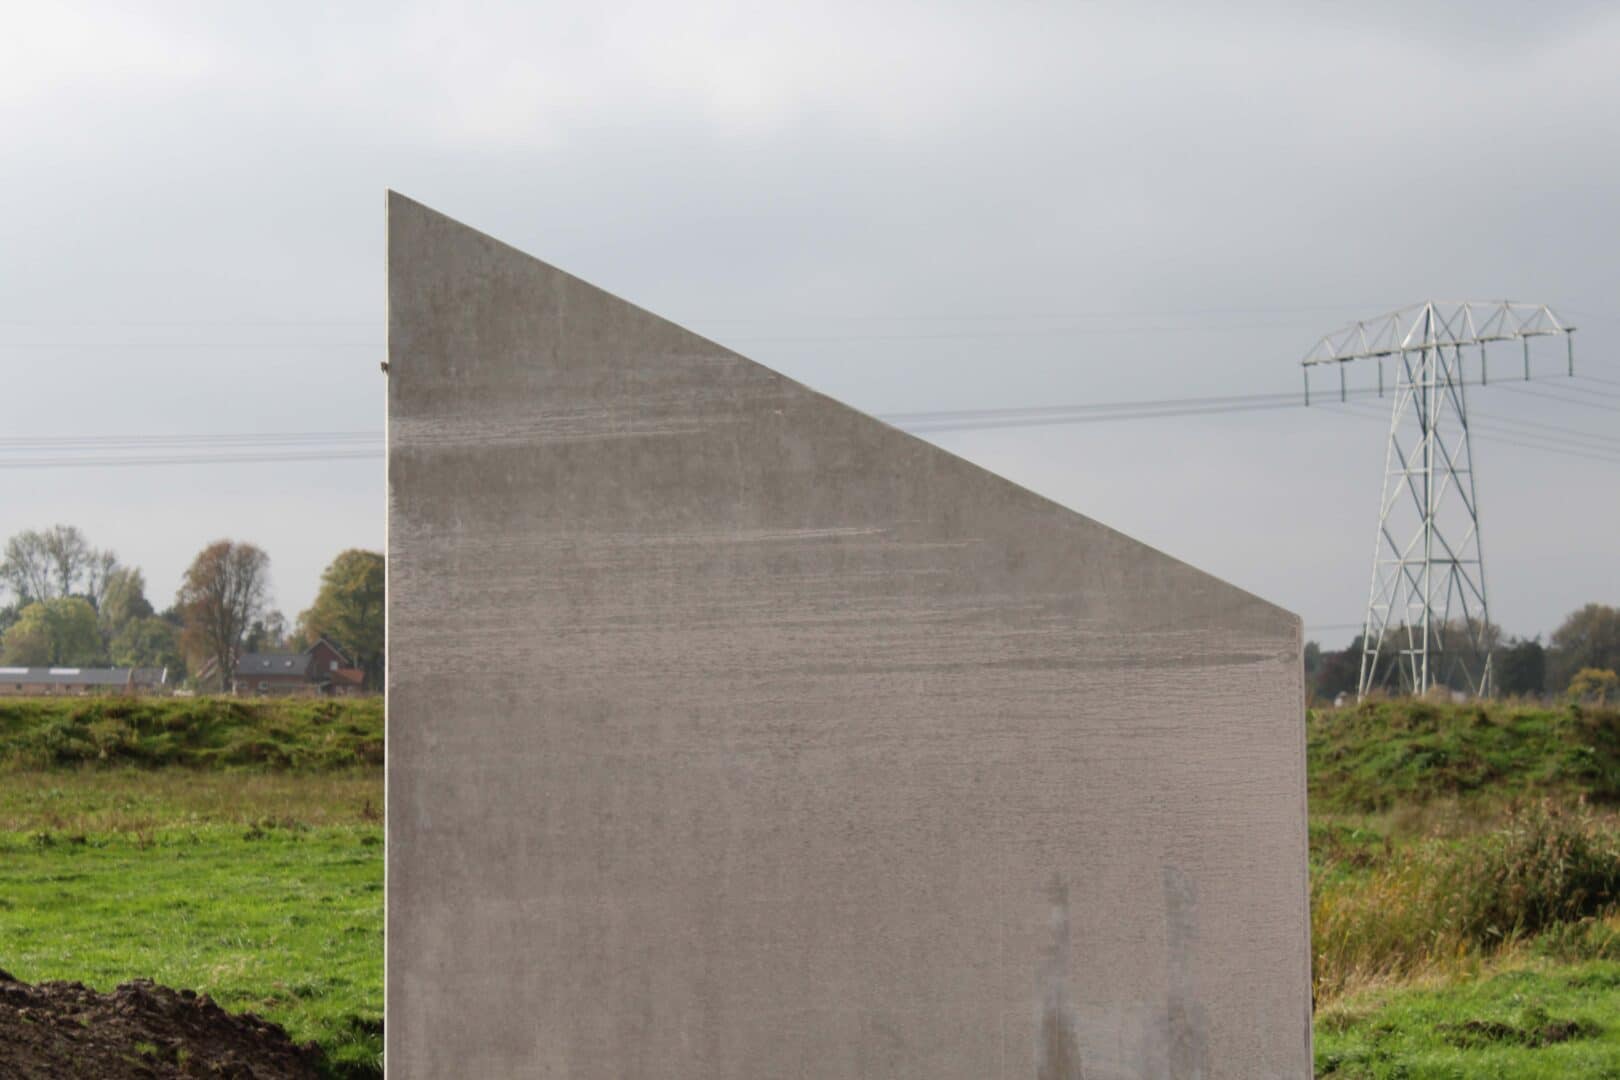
908	206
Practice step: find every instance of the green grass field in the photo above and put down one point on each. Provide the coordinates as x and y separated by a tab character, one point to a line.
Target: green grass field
285	922
231	848
1465	873
1548	1022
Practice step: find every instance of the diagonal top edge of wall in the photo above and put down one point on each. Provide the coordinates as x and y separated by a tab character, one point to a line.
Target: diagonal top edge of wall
430	385
734	733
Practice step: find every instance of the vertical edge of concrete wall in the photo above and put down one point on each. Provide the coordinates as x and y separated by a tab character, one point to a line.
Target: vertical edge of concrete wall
733	733
388	618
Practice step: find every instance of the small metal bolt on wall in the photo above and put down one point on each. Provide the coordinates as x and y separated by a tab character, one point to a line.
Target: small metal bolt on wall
1428	620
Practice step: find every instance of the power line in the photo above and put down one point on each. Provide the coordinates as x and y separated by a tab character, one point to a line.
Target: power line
1589	389
192	345
1055	410
188	322
1572	449
822	339
818	316
1039	332
1517	389
1051	332
141	442
257	447
989	424
1490	434
1493	430
1533	427
190	459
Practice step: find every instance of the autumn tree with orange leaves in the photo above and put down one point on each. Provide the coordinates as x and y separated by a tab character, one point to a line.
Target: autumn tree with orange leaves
226	588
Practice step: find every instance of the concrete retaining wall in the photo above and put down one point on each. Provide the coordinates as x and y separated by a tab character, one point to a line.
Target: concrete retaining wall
735	734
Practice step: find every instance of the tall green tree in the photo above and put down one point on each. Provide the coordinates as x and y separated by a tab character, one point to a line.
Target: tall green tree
55	562
1521	667
56	632
124	599
1588	638
69	555
267	634
1313	659
349	610
1337	672
225	589
26	568
149	642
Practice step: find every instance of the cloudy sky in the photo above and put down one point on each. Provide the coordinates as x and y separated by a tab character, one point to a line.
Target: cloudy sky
910	206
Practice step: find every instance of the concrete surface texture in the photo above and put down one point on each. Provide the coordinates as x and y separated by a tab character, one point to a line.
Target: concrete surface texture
735	734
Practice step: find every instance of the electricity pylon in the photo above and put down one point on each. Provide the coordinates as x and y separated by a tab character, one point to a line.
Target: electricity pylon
1428	620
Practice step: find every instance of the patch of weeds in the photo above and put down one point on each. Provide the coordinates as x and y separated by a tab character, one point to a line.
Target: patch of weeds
1585	939
1535	1032
1599	979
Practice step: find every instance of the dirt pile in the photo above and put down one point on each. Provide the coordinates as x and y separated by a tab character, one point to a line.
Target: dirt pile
140	1030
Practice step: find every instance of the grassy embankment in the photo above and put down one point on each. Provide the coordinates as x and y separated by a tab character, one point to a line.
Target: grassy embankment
1465	877
230	847
1465	869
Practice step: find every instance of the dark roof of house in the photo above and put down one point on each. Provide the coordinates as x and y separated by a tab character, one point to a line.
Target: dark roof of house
335	647
69	676
264	663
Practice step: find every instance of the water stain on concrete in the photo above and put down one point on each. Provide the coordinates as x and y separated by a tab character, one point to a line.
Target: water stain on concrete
1186	1023
1057	1052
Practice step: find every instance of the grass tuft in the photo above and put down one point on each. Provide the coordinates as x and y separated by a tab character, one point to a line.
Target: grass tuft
1442	905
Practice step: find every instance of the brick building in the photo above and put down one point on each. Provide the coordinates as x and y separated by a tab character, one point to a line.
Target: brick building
323	669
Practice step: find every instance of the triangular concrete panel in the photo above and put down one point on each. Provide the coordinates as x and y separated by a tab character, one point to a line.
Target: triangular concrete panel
734	733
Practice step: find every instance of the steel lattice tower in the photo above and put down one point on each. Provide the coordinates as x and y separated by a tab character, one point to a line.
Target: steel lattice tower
1428	616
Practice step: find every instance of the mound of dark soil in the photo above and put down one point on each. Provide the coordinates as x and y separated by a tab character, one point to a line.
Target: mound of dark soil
140	1030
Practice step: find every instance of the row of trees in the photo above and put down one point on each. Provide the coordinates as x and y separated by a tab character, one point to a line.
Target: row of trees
74	605
1588	640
